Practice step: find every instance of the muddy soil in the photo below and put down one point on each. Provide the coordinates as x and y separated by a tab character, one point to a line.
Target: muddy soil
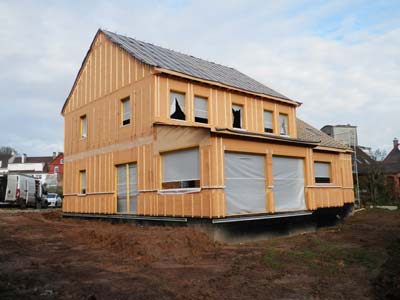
43	256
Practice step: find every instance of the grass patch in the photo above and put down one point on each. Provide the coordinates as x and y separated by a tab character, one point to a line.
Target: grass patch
323	257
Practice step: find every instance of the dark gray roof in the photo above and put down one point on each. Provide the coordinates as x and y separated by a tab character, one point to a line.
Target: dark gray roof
186	64
34	159
307	132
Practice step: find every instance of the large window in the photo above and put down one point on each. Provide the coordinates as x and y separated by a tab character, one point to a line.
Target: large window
268	124
177	106
283	121
322	172
237	116
83	121
82	179
180	169
126	111
200	110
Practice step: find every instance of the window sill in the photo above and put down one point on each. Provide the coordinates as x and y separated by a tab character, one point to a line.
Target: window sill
241	129
123	126
179	191
83	138
81	195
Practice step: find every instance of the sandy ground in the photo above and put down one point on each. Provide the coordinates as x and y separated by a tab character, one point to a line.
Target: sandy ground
43	256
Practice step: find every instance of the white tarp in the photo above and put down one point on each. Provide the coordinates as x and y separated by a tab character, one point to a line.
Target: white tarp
121	189
182	165
133	192
174	99
244	183
288	183
268	120
126	109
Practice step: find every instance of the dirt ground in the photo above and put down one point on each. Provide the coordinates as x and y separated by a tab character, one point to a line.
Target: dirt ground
43	256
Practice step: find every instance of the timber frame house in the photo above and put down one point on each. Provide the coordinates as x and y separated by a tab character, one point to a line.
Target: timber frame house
153	132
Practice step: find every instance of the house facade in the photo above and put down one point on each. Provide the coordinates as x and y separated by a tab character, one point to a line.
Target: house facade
56	168
153	132
391	167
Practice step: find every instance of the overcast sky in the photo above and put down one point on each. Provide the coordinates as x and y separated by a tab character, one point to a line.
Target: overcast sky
340	58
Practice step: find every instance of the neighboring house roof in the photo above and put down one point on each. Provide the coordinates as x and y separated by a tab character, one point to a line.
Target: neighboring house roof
307	132
391	163
34	159
186	64
4	160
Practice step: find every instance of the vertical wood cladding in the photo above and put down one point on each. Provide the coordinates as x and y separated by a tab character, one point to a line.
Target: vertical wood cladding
108	75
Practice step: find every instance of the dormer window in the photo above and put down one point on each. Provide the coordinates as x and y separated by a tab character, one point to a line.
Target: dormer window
268	125
237	115
177	106
200	110
283	124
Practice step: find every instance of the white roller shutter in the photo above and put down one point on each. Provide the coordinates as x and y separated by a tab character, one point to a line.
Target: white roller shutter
182	165
244	183
133	192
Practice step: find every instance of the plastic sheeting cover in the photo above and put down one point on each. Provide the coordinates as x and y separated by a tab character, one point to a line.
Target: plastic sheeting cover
245	183
268	119
176	97
133	192
121	188
182	165
288	183
126	108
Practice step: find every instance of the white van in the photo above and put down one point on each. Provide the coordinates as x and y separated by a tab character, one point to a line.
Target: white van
23	190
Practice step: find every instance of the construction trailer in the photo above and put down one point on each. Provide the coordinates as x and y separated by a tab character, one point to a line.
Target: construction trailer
155	133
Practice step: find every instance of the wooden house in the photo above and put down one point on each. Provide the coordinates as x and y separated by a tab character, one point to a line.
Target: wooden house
153	132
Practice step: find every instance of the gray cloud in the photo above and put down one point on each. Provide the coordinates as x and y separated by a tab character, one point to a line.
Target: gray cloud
338	58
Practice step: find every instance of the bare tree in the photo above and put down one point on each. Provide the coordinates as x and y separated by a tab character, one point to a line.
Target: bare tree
7	150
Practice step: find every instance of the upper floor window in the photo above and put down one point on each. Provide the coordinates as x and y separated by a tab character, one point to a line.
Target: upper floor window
283	121
83	127
62	161
56	169
237	115
177	106
322	172
181	169
268	125
200	110
82	179
126	111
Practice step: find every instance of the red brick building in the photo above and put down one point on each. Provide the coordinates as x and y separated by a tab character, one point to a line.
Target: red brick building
391	165
56	166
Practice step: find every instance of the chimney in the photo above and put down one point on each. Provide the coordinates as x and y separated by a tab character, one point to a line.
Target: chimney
54	155
396	143
23	158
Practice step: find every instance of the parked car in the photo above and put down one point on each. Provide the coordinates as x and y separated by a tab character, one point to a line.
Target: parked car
54	200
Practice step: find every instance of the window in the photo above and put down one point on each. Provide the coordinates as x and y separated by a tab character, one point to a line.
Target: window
200	110
322	171
268	125
82	175
1	163
56	169
177	106
83	127
283	121
237	111
126	111
62	161
180	169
